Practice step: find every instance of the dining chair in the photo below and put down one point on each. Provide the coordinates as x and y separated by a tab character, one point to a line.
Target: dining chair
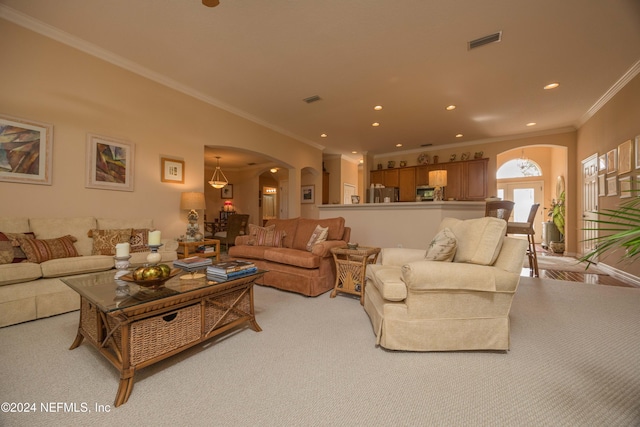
527	228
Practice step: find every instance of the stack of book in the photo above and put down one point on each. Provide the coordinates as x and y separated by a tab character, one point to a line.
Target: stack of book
206	249
192	263
229	270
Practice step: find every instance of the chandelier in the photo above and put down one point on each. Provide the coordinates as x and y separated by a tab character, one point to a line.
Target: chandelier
523	163
218	180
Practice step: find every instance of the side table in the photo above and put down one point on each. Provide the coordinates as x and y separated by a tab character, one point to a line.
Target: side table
187	249
351	265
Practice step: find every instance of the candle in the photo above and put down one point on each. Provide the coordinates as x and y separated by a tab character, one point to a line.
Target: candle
122	250
154	237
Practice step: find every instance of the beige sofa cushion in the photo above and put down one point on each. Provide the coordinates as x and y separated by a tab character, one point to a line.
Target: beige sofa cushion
14	225
388	281
51	228
19	272
78	265
479	240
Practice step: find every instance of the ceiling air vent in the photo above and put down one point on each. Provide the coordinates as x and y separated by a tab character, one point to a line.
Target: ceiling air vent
311	99
491	38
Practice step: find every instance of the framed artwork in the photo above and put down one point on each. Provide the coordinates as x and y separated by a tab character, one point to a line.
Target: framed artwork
624	157
602	185
612	160
637	152
308	194
625	187
26	147
110	163
226	192
172	170
612	186
602	163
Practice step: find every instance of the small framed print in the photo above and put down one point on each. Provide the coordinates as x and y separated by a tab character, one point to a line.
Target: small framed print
625	187
226	192
26	147
172	170
602	185
624	157
110	163
612	186
612	160
602	163
637	152
308	194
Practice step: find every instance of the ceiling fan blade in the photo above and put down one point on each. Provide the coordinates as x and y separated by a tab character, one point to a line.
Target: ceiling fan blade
211	3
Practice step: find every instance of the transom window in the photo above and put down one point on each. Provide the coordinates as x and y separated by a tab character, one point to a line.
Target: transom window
515	169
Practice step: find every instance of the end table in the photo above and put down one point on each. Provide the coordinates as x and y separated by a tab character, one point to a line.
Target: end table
351	265
187	249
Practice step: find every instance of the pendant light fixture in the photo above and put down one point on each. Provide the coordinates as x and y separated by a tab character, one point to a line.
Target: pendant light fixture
218	180
523	162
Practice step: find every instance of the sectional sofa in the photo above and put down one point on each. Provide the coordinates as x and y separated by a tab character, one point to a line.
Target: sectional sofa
30	285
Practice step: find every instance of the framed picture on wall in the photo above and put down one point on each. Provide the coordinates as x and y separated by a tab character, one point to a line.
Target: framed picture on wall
624	157
602	163
25	152
612	160
172	170
637	152
110	163
226	192
308	194
602	185
612	186
625	187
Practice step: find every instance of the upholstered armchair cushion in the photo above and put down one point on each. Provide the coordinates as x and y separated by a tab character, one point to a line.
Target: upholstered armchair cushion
479	240
434	275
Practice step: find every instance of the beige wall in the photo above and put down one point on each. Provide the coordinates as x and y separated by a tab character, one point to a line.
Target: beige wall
78	93
614	123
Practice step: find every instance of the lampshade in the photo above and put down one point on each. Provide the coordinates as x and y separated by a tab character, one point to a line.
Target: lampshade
438	178
192	200
218	180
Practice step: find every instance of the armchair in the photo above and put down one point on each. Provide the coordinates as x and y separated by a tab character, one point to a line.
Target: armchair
424	305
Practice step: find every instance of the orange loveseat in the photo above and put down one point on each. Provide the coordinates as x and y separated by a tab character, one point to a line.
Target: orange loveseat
290	265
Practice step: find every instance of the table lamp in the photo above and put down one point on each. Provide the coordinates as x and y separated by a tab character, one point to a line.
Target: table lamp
192	201
437	180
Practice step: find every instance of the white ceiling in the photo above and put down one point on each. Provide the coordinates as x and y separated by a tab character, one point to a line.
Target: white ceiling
260	59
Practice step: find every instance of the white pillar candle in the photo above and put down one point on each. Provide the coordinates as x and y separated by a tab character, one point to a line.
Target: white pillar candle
154	237
122	250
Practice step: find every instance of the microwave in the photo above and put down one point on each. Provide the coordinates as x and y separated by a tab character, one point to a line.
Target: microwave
425	193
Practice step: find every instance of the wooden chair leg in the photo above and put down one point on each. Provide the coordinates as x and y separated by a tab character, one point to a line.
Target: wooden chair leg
533	256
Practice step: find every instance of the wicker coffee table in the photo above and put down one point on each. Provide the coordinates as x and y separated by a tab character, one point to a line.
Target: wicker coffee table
134	327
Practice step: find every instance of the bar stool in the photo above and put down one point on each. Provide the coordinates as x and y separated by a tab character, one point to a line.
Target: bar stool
499	209
527	228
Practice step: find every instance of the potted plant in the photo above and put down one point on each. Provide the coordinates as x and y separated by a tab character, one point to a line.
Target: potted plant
621	228
556	215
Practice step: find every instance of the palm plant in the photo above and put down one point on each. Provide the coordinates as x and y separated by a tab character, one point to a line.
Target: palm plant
622	226
557	213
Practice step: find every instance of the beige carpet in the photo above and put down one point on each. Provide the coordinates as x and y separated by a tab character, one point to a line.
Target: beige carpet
573	362
559	263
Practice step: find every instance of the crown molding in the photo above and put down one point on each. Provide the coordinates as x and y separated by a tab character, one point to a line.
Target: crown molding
63	37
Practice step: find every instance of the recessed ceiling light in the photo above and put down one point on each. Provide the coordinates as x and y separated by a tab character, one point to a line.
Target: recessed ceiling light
450	107
354	152
531	124
459	135
361	160
398	145
551	86
376	124
323	135
378	107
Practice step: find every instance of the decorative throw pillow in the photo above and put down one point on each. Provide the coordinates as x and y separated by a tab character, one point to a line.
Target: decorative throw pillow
6	250
18	253
105	241
319	235
265	236
139	240
43	250
442	247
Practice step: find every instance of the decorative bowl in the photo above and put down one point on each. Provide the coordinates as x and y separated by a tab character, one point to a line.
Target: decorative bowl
352	245
150	283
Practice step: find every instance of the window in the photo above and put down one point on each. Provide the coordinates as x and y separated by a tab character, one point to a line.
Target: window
512	169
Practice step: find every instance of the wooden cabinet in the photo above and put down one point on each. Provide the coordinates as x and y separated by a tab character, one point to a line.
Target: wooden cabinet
407	184
466	180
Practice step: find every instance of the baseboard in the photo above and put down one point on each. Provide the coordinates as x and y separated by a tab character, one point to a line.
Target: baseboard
621	275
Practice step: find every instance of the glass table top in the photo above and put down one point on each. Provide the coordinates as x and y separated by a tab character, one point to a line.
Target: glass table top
112	294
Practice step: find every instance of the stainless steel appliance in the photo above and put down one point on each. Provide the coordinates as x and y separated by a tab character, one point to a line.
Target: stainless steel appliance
383	195
425	193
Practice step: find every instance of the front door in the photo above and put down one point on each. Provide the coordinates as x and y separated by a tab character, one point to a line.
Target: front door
589	203
524	194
